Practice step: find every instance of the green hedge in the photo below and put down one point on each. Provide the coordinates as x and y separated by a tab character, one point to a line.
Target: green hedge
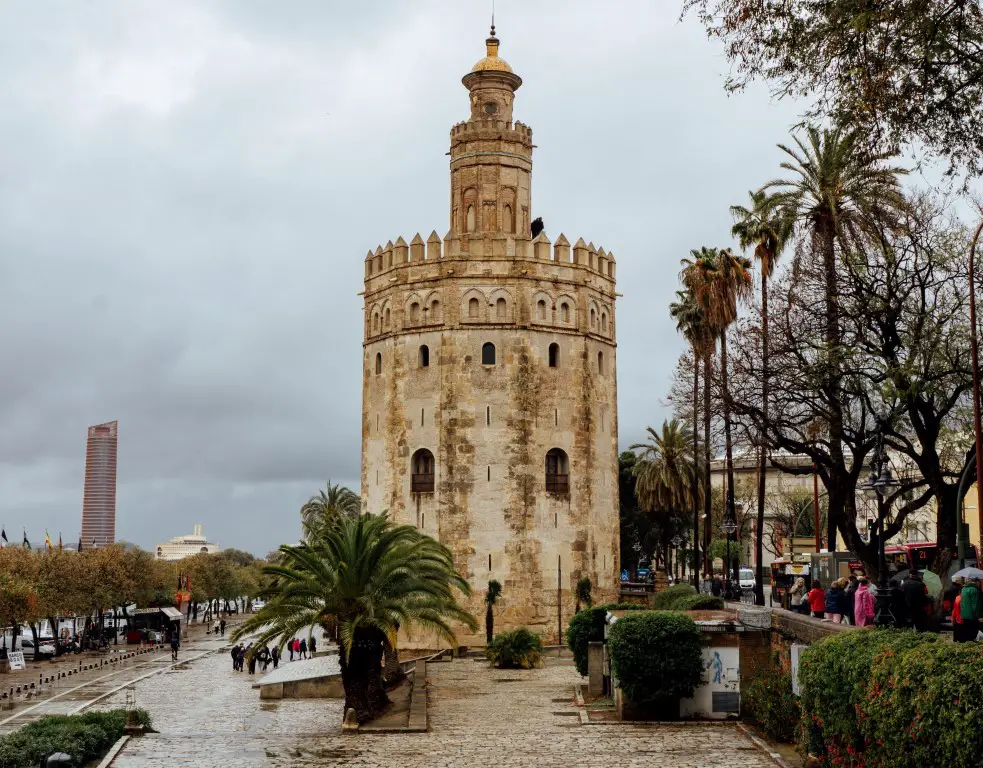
587	626
656	656
836	675
769	700
518	649
85	737
666	599
699	603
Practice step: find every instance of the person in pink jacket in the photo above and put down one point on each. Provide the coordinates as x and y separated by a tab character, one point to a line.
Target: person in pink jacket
863	604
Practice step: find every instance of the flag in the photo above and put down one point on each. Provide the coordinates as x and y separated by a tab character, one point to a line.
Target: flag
3	538
27	544
47	540
60	547
80	543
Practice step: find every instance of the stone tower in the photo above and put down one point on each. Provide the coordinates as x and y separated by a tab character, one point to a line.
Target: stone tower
489	395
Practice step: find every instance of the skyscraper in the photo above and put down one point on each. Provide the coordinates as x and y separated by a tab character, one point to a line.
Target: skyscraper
99	498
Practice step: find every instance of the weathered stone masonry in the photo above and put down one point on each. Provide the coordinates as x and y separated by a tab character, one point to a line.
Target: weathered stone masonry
505	453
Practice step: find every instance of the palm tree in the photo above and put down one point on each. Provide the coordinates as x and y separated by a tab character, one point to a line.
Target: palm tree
690	322
766	228
666	471
719	281
323	508
839	194
373	577
491	597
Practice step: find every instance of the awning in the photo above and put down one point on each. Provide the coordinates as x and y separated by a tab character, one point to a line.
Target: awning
172	613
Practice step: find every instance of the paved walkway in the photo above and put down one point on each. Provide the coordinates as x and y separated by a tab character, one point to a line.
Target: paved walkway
209	716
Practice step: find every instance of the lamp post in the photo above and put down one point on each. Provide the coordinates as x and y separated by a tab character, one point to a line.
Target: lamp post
728	527
676	541
974	351
879	484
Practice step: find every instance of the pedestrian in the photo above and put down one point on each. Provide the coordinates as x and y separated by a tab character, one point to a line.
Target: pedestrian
175	644
797	594
275	656
303	649
916	599
950	595
235	657
716	586
971	608
836	601
290	647
313	646
241	656
817	600
863	604
848	595
251	659
221	626
958	628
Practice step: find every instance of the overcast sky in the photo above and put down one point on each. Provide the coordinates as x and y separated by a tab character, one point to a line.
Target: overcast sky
188	190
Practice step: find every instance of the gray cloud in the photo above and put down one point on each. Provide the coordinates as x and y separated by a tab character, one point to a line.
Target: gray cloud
187	193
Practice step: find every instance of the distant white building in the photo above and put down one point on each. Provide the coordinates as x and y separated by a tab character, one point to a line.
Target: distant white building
181	547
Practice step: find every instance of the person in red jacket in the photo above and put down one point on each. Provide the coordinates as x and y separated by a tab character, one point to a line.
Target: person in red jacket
817	600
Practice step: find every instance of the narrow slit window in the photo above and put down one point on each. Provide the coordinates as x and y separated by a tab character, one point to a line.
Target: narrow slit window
501	309
489	561
541	309
489	473
554	355
378	363
473	309
424	356
565	312
421	417
600	363
470	218
556	417
487	415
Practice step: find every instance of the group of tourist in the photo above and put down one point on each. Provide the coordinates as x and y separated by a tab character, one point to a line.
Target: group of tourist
248	655
851	601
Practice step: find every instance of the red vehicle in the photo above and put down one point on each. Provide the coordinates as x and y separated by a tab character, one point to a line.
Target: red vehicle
901	557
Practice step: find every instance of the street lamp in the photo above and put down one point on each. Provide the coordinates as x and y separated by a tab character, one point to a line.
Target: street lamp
676	541
881	483
729	527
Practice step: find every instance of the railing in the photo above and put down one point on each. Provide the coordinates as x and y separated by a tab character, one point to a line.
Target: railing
421	483
558	483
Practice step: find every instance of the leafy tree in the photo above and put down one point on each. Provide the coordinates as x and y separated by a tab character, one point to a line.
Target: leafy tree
583	593
491	597
321	509
373	577
904	72
766	229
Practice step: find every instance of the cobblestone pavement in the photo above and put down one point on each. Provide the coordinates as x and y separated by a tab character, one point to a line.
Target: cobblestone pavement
478	717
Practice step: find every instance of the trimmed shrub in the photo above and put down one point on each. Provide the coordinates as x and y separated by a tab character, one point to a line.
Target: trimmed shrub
666	599
769	700
834	674
518	649
587	626
85	737
922	708
699	603
656	656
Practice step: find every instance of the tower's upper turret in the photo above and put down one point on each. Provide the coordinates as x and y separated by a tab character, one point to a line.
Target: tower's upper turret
491	157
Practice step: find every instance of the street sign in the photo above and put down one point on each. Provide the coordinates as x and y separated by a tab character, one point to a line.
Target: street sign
643	573
16	660
624	575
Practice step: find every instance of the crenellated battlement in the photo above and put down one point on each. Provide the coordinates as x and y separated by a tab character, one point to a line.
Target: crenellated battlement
481	128
580	256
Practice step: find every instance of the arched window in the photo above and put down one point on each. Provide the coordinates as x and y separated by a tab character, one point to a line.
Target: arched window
488	353
424	356
600	363
565	312
557	472
422	469
375	322
435	311
509	219
593	318
388	316
204	550
541	309
501	309
160	552
378	363
470	221
473	309
604	322
414	313
554	355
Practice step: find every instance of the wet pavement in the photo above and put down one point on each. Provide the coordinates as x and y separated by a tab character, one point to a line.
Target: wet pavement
209	716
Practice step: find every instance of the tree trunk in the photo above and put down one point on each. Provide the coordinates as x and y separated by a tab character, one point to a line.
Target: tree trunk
361	675
696	473
825	235
392	671
37	644
759	571
728	441
707	501
489	624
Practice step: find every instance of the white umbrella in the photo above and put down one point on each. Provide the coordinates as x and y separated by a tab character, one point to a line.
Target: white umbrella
969	573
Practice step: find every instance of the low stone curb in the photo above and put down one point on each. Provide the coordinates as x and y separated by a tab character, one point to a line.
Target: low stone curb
113	752
763	746
417	721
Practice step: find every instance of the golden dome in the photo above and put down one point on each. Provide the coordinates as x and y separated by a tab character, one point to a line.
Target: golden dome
492	62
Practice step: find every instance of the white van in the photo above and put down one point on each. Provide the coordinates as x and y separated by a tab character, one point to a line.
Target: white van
746	577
